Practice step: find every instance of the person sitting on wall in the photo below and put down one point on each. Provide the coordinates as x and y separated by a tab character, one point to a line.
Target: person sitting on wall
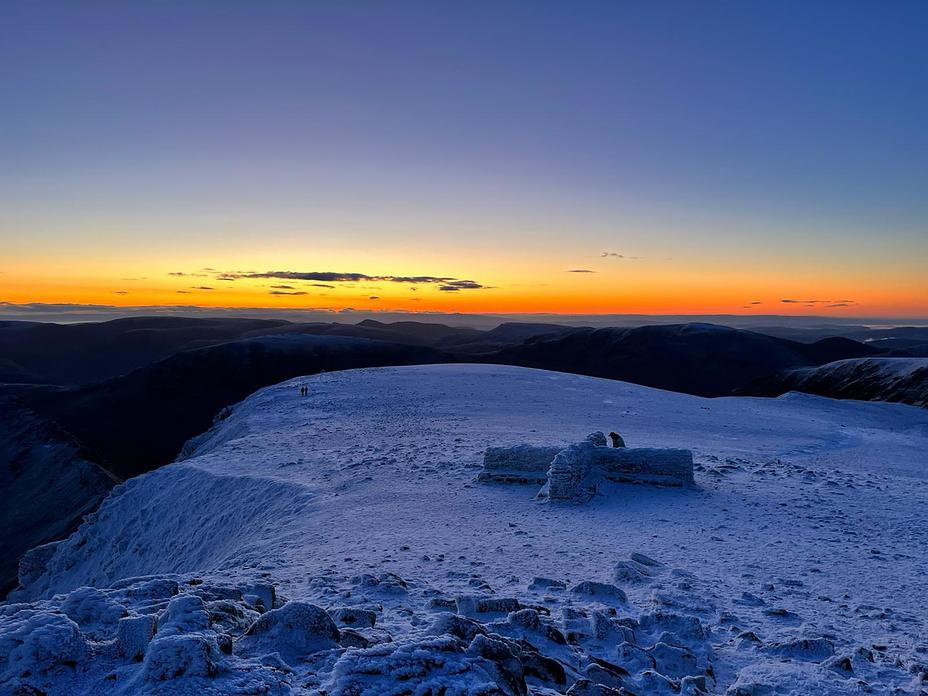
617	440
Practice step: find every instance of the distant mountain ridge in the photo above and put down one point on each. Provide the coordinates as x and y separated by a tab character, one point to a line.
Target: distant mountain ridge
701	359
76	354
86	353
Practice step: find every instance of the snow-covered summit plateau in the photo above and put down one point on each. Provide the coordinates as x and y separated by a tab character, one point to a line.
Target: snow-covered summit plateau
340	544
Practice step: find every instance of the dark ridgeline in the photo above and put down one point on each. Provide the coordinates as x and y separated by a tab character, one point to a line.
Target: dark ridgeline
700	359
83	353
139	421
75	354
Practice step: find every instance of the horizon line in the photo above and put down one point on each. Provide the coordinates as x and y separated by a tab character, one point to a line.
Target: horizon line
84	313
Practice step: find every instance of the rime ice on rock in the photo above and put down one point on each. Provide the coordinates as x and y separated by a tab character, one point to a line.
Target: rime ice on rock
295	630
34	561
133	634
575	471
182	655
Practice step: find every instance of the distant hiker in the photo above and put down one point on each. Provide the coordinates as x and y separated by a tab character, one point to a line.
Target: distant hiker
617	440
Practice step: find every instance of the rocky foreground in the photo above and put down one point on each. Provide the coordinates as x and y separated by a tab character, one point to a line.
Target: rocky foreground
375	634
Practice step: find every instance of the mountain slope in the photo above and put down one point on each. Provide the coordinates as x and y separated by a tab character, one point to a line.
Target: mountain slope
871	379
140	421
48	481
301	529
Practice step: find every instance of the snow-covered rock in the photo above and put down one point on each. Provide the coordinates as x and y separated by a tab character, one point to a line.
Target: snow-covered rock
180	656
133	634
38	644
296	630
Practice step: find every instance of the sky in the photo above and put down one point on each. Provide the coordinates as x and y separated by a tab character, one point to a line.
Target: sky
614	157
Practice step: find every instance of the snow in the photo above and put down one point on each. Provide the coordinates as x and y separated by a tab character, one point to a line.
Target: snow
795	565
895	367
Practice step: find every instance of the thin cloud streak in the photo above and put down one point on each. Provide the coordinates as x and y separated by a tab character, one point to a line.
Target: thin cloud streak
445	283
455	285
616	255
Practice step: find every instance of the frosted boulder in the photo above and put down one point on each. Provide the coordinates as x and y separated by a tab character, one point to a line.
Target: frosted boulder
172	657
506	667
441	663
185	614
540	584
230	617
457	626
633	573
685	628
133	634
93	611
598	590
34	642
296	630
674	661
633	658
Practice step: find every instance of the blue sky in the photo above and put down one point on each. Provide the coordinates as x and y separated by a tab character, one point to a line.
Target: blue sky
732	133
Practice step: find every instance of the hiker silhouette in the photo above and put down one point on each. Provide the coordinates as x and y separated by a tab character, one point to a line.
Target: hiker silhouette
617	440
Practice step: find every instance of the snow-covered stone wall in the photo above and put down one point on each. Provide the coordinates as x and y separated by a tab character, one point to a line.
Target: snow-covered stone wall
576	471
519	464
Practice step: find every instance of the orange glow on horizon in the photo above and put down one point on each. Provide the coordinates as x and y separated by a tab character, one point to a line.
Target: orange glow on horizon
647	293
